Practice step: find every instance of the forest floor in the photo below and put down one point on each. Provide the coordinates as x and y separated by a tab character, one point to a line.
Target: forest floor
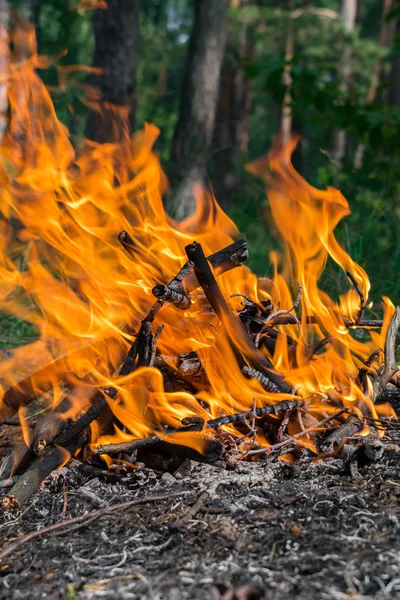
268	530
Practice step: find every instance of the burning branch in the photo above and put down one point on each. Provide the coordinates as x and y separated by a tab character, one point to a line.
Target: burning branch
198	424
363	301
234	328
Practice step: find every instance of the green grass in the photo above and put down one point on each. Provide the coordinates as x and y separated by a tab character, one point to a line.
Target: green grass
15	332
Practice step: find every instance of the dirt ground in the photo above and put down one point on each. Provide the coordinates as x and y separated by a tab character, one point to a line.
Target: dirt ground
316	530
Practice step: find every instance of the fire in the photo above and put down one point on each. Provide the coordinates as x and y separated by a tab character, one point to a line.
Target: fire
63	269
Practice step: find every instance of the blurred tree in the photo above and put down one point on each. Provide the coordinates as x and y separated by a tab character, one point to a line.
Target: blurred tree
348	14
165	27
34	9
285	128
116	30
394	88
194	129
4	58
386	36
234	104
254	65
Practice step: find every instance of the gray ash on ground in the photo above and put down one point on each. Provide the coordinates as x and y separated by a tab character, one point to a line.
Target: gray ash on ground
268	529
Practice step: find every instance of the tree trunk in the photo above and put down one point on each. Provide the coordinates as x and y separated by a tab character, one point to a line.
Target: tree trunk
116	31
4	63
286	112
231	128
194	129
394	80
35	8
348	14
386	35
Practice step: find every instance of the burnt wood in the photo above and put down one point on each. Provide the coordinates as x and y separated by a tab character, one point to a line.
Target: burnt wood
241	344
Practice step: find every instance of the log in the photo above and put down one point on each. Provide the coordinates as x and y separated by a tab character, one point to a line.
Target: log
40	469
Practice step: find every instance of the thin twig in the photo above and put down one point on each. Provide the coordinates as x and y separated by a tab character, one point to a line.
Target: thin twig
298	297
289	311
82	520
197	424
289	441
247	298
195	508
127	447
154	344
363	301
314	320
271	409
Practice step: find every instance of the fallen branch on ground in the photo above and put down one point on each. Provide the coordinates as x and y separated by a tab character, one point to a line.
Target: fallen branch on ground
82	521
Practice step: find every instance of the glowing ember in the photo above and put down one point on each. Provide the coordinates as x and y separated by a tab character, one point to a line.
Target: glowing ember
66	271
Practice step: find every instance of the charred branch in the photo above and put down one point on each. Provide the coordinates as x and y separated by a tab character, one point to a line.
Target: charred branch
312	320
267	384
128	244
337	438
17	460
233	326
130	447
366	370
190	366
310	351
29	482
272	409
390	365
363	300
127	447
167	294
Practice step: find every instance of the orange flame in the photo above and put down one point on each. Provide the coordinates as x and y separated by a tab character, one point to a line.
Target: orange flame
64	270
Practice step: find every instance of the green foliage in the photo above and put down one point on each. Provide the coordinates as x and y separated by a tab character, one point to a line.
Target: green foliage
321	105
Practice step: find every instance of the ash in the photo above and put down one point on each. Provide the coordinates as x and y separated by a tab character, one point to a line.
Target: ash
327	529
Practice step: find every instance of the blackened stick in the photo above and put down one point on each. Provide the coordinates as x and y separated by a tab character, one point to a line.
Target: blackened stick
234	328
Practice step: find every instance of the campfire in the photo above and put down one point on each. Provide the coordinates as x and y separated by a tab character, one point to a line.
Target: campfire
158	343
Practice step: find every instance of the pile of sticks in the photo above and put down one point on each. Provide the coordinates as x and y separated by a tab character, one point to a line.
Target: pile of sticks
53	439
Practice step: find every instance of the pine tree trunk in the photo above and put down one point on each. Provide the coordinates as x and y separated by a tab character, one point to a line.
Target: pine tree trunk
4	63
394	80
35	8
194	129
116	31
386	34
231	128
348	14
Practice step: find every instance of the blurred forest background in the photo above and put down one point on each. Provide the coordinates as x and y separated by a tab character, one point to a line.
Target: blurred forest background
221	78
